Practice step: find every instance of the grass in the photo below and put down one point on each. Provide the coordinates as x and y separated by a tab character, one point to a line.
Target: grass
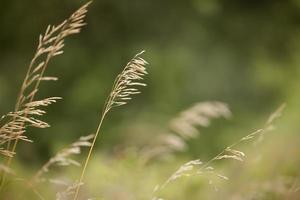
123	88
139	169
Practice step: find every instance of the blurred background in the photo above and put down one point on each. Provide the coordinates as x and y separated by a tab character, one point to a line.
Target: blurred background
244	53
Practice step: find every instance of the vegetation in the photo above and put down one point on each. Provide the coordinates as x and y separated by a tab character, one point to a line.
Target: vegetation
260	165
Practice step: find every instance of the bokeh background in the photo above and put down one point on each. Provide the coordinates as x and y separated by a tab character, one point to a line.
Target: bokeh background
244	53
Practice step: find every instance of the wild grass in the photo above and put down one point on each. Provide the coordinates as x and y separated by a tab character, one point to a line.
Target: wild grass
184	127
27	109
50	45
206	170
142	174
123	88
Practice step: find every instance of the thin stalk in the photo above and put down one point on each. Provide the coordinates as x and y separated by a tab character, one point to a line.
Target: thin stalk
259	132
120	94
17	107
49	56
18	104
72	25
89	154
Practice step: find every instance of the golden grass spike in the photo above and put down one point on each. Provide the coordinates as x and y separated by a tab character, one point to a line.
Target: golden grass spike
188	169
124	85
15	123
50	45
123	88
200	114
183	127
62	158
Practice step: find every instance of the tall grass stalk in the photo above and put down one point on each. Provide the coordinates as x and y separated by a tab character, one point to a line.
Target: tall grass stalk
122	90
50	45
197	167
